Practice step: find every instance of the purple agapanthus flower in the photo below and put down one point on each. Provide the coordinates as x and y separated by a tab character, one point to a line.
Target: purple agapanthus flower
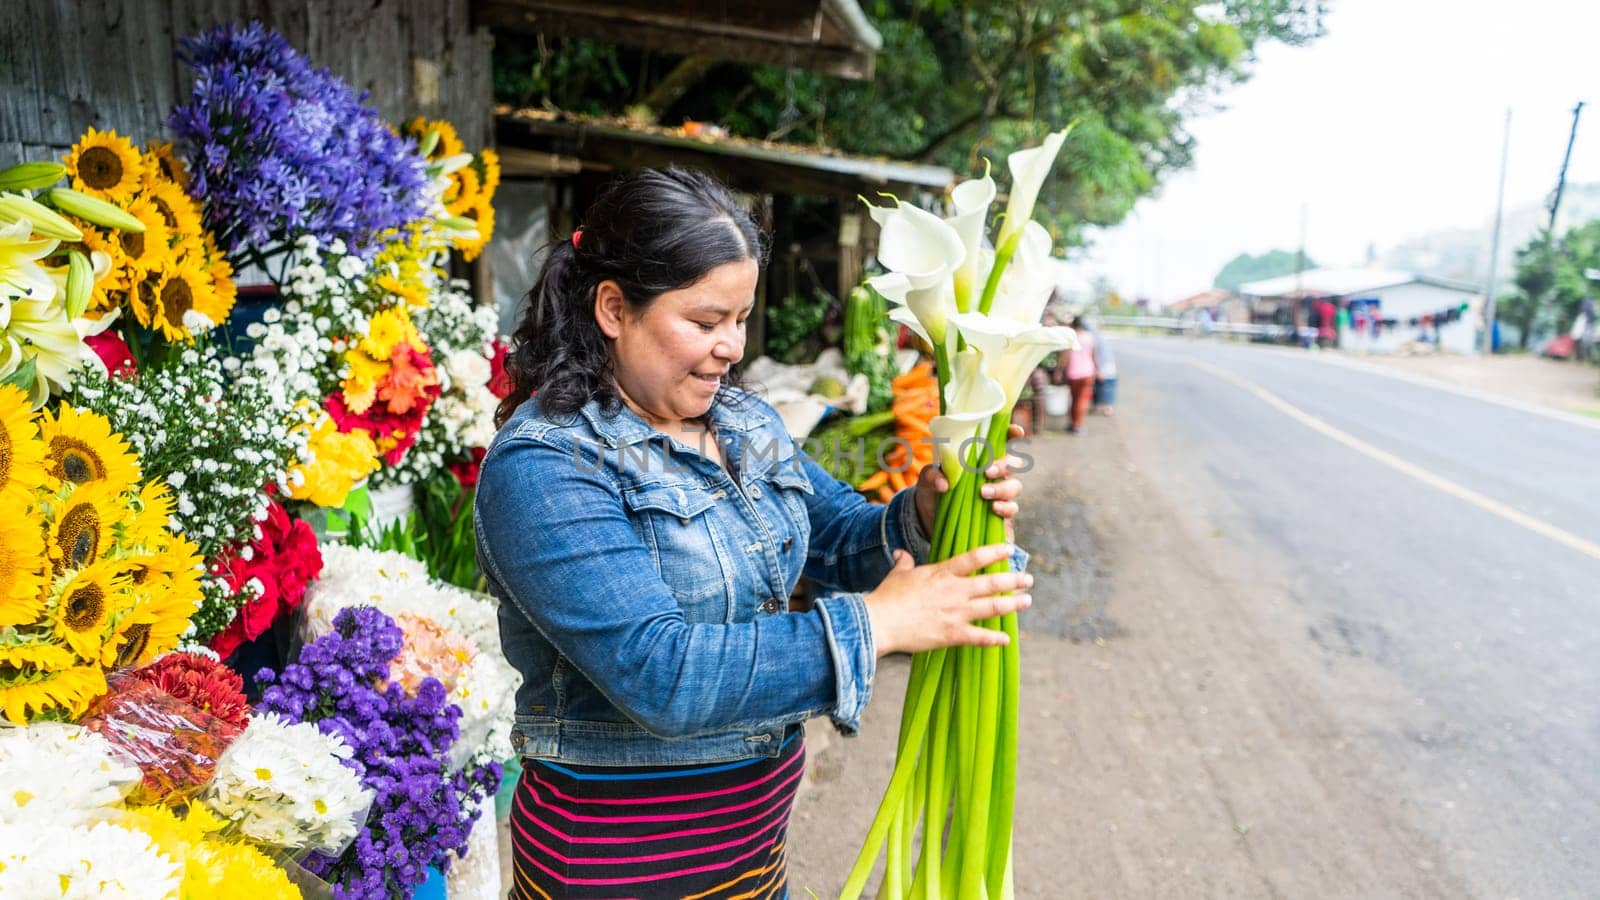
278	149
422	810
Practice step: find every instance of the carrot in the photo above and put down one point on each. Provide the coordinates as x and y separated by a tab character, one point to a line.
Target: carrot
877	480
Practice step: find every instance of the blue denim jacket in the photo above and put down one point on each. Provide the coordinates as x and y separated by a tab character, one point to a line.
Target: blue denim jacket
644	590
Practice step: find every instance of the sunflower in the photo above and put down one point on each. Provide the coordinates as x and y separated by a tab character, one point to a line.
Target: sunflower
87	606
105	166
466	193
83	450
67	693
166	591
221	272
80	528
490	161
120	277
22	567
152	505
23	465
178	210
41	653
449	142
179	290
150	250
162	164
483	212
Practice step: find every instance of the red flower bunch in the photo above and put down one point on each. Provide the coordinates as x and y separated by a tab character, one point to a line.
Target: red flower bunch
405	393
284	560
499	380
113	351
174	743
201	682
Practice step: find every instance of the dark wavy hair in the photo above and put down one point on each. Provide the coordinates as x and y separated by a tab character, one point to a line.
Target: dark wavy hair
650	231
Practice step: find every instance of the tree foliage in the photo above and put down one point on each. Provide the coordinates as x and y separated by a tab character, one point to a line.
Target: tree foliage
1550	284
1245	268
960	80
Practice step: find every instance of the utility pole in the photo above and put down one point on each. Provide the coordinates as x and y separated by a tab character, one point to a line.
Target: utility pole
1550	232
1494	242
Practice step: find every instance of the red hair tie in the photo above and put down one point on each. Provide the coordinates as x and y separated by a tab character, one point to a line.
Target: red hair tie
576	235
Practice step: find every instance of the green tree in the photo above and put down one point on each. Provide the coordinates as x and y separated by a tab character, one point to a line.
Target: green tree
960	80
1245	268
1549	284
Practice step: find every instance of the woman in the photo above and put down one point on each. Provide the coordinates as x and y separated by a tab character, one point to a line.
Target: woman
1080	374
643	523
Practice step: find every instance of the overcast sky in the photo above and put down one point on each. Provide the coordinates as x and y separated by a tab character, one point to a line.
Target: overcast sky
1388	127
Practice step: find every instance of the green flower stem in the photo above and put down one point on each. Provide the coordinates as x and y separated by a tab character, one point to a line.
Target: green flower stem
1002	258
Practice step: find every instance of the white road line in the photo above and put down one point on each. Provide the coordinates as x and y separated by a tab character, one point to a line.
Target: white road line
1487	504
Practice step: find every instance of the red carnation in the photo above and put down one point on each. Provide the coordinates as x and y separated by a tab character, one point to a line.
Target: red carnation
113	351
201	682
499	380
284	560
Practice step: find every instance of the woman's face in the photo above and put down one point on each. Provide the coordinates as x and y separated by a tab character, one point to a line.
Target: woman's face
670	360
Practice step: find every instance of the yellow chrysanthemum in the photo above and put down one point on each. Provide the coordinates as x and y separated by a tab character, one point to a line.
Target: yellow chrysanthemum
151	249
449	142
464	192
248	871
490	162
181	289
178	210
23	562
483	212
28	692
161	163
34	653
81	449
87	606
338	461
387	329
106	166
79	529
24	465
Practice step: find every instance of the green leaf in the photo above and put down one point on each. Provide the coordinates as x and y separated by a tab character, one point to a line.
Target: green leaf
24	376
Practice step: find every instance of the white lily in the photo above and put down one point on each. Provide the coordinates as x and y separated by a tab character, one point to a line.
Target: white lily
971	200
1012	349
1028	171
971	398
922	248
1027	283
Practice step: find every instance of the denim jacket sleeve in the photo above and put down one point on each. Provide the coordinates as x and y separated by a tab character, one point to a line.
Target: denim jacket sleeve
557	540
853	540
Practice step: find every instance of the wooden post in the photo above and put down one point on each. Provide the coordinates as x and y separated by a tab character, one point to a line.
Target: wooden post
850	253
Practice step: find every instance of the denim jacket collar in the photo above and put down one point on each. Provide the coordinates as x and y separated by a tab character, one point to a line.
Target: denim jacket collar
732	412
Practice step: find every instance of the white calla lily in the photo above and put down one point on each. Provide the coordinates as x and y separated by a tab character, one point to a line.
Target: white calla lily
971	399
1012	349
1029	168
971	200
920	246
1027	283
902	315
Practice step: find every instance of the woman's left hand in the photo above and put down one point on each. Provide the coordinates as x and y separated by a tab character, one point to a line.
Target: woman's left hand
1003	488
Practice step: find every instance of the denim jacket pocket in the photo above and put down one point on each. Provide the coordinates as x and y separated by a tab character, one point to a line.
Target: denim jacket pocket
677	524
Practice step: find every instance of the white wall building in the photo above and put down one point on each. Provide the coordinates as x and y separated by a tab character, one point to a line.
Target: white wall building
1403	302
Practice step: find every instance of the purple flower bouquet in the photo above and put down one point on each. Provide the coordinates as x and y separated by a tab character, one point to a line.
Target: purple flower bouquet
422	811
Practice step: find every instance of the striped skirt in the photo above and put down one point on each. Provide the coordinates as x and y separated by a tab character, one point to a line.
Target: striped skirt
655	831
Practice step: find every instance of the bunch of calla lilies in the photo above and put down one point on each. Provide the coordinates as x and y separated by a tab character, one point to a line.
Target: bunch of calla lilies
954	780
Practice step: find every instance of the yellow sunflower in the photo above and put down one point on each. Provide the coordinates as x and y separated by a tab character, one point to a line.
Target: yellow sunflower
180	289
221	272
83	450
105	166
69	692
23	463
22	567
178	210
166	592
87	605
162	164
449	142
79	529
150	250
465	193
120	277
490	162
41	653
483	212
152	506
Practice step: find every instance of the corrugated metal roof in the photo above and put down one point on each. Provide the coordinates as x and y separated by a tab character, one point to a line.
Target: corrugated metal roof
1345	283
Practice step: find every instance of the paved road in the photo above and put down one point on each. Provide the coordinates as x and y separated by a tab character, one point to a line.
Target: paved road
1446	552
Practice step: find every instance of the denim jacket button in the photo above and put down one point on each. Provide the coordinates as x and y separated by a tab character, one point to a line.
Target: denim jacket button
755	492
788	543
771	605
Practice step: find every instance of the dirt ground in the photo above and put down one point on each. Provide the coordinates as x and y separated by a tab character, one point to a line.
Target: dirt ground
1566	386
1174	740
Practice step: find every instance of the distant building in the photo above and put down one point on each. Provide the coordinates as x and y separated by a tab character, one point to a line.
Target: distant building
1224	306
1384	309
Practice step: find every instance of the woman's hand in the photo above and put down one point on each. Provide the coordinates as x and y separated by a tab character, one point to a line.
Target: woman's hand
1003	489
919	608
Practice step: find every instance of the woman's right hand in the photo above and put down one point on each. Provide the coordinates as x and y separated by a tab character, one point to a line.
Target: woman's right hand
919	608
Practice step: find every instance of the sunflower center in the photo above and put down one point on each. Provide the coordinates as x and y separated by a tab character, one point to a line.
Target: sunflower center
134	640
85	608
5	457
176	299
132	243
76	461
100	168
78	536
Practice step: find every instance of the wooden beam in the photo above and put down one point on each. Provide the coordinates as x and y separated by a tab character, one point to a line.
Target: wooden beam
523	163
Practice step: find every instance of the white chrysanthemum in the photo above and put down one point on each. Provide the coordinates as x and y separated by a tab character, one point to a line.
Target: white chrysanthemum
287	785
84	863
61	773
